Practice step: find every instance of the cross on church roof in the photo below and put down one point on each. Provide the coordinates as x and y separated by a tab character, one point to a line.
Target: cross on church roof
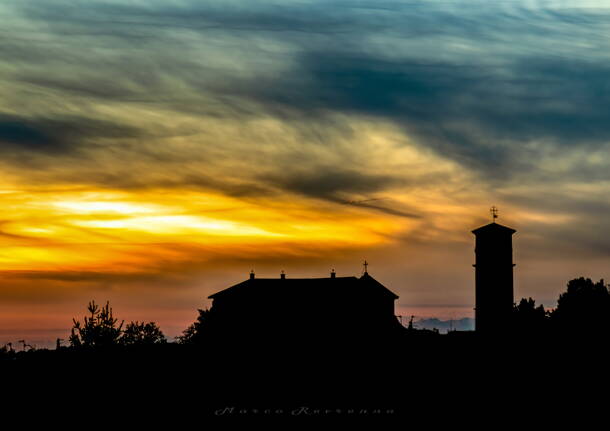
494	213
366	265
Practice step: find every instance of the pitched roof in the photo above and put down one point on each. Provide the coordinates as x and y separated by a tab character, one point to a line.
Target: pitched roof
493	228
309	286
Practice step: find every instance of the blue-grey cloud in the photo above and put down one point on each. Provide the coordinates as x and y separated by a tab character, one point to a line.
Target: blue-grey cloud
479	83
475	115
58	135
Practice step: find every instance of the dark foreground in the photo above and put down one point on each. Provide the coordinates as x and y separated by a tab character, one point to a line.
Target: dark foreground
437	379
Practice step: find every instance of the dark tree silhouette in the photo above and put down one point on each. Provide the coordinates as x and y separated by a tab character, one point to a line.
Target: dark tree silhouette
197	331
98	330
7	352
527	318
140	333
583	308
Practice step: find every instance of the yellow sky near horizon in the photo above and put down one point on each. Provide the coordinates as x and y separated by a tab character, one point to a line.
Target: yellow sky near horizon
48	228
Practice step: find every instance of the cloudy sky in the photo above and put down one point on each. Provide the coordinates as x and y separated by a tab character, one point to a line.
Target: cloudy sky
153	152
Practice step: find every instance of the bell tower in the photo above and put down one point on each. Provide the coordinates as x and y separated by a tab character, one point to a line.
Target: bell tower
494	295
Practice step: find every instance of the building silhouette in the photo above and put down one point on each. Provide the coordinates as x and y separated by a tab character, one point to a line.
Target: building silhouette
343	308
494	295
305	308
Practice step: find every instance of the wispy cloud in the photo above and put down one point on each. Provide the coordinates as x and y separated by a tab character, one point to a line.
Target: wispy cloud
386	123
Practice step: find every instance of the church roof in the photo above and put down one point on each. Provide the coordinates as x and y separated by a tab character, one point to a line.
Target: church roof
328	286
493	228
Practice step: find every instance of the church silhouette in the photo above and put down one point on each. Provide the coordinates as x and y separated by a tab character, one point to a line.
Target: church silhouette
356	307
313	309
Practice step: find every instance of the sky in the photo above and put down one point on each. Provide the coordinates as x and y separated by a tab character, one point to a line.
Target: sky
153	152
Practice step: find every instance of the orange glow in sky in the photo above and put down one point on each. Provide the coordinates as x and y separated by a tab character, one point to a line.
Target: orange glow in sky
89	230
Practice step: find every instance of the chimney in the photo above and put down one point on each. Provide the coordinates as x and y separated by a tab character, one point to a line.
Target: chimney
283	275
332	274
252	275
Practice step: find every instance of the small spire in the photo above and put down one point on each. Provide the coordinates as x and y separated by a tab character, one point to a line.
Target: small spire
332	273
282	275
494	213
251	274
366	265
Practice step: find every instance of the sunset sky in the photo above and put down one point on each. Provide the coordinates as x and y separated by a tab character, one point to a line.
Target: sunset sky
153	152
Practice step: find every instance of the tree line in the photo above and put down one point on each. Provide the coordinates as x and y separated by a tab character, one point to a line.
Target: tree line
584	308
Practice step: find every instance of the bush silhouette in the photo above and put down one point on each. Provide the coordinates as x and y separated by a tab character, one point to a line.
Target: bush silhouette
140	333
100	329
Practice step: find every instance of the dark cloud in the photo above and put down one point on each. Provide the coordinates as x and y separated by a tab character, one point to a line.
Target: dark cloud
394	210
480	116
17	133
56	136
336	184
477	83
74	276
331	180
